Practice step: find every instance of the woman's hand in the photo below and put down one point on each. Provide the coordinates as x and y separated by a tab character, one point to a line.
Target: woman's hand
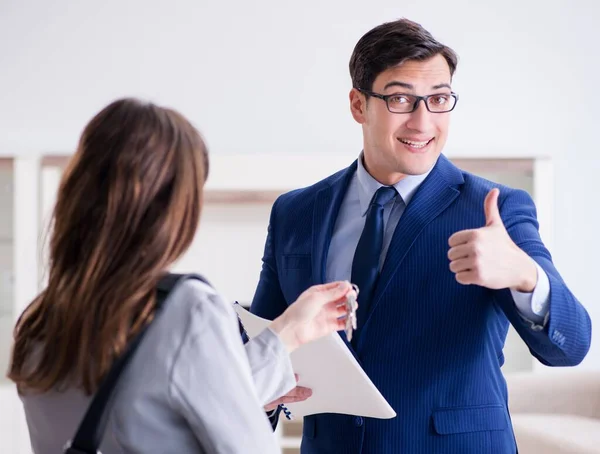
298	394
317	312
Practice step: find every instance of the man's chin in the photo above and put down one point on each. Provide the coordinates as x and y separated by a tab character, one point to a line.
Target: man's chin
417	165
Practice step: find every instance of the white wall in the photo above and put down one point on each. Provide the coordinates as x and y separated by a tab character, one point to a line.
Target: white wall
6	264
228	248
272	76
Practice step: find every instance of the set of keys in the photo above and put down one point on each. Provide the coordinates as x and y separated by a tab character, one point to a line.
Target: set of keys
351	306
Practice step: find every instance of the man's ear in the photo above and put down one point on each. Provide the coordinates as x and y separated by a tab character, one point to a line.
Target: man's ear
358	106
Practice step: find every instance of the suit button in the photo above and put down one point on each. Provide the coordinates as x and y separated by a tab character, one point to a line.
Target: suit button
558	338
358	421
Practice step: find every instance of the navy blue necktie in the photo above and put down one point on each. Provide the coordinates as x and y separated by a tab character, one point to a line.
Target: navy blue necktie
365	265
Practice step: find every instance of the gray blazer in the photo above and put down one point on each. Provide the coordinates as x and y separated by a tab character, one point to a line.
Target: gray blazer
192	387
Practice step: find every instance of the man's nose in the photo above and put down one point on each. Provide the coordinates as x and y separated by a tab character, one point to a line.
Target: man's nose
420	119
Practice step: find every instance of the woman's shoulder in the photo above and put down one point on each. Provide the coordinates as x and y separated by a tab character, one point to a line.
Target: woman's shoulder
196	298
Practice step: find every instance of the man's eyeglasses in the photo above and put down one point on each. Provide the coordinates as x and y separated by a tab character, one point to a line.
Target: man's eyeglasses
403	103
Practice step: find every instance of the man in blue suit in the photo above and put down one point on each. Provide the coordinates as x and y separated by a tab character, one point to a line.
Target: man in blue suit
444	261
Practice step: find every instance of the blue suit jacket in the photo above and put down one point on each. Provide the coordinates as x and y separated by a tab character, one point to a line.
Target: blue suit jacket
432	346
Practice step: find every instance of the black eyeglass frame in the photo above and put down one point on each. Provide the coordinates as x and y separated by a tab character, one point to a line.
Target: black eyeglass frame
418	99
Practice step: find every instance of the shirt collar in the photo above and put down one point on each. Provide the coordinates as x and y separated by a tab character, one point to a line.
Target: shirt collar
367	186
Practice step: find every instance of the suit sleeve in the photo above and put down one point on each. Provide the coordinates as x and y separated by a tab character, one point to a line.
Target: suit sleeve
268	301
564	338
533	306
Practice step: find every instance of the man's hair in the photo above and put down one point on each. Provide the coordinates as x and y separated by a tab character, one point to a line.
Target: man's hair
391	44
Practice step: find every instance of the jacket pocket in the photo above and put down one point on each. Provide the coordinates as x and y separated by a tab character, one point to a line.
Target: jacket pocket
296	262
469	419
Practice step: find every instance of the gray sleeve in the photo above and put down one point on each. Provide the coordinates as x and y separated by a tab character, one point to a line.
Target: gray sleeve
211	384
271	366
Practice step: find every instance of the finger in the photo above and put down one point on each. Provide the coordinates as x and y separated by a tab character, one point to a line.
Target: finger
460	252
343	298
335	324
462	237
276	403
291	399
271	406
340	290
466	277
458	266
336	308
332	320
337	294
330	292
490	207
341	314
341	301
301	391
339	324
335	321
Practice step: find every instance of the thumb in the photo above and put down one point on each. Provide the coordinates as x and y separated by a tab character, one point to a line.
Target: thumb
490	206
338	290
326	293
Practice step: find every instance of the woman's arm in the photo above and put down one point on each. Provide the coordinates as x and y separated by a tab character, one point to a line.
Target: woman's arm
271	367
212	387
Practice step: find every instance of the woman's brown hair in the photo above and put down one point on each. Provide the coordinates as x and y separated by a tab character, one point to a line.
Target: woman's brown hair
128	206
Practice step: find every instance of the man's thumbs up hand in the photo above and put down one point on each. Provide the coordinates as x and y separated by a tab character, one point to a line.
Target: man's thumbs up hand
490	205
488	257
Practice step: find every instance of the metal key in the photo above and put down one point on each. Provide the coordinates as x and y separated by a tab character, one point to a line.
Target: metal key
351	307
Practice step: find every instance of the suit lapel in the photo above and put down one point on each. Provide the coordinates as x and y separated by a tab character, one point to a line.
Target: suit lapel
327	205
434	195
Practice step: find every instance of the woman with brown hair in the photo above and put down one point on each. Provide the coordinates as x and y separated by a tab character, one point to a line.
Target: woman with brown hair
128	207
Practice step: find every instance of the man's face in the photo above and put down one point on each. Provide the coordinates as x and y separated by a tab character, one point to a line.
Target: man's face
400	144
